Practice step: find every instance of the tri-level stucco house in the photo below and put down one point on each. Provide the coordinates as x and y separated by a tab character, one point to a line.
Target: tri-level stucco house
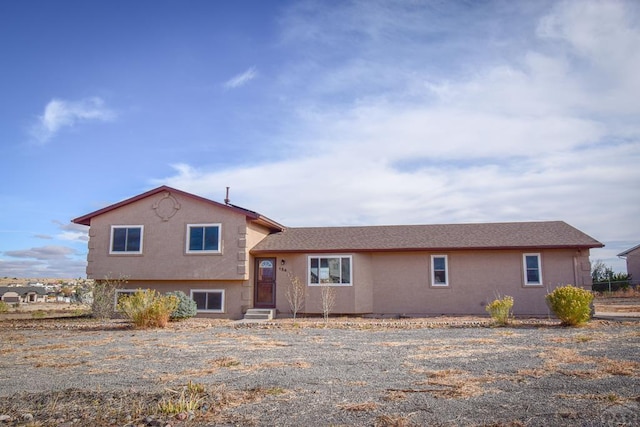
230	259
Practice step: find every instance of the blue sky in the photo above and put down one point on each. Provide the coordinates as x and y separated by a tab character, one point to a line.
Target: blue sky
319	113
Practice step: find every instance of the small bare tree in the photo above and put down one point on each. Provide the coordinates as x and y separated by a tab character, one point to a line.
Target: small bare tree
104	297
295	294
328	296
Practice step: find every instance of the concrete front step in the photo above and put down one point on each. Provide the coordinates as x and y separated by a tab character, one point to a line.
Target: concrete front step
260	314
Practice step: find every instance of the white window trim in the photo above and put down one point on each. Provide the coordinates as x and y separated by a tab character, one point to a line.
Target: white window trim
222	300
113	227
188	239
446	272
524	269
330	256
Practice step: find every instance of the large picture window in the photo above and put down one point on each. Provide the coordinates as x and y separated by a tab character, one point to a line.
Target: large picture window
126	239
332	270
209	300
203	238
439	270
532	269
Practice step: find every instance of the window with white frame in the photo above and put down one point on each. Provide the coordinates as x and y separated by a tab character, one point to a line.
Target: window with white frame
209	300
532	269
126	239
439	270
332	270
203	238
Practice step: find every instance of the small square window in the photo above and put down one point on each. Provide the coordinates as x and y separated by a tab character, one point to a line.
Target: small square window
203	238
126	239
211	301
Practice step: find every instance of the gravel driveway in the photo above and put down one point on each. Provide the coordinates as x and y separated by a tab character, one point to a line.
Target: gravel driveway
350	373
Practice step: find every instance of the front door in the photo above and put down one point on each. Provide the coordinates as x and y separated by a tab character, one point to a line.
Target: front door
265	286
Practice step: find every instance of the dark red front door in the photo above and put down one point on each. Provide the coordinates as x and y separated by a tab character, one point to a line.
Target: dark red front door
265	289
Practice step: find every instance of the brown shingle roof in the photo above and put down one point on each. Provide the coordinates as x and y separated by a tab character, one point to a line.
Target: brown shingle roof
514	235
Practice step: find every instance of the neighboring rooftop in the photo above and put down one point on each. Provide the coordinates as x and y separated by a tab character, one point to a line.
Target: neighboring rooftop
515	235
628	251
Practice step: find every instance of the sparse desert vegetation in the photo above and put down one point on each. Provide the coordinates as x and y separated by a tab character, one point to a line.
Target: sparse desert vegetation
352	371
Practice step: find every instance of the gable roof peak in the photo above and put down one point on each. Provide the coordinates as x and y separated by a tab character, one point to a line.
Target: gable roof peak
251	215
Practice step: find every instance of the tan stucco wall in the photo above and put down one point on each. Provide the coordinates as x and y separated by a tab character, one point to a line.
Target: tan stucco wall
399	283
349	299
475	279
633	265
233	293
164	243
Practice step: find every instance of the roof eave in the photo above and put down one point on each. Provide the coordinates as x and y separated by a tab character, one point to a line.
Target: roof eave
424	249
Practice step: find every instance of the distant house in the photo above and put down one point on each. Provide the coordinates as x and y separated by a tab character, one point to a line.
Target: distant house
633	263
22	294
230	259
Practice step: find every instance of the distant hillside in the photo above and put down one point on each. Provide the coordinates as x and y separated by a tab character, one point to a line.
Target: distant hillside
6	281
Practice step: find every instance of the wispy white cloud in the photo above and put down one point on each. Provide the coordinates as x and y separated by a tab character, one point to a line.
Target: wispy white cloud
241	79
59	114
542	128
43	253
62	267
72	232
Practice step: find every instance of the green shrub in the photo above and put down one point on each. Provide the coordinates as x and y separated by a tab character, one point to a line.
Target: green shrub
500	310
4	307
148	308
187	307
572	305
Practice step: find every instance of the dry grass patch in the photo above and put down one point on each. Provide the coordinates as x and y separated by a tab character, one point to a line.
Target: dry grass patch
400	343
261	343
393	421
609	397
60	365
450	383
463	351
225	362
619	367
89	408
14	338
394	395
533	373
483	341
118	357
357	383
359	407
563	361
50	347
103	371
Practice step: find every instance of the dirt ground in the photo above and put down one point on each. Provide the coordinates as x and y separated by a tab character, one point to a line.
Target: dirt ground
442	371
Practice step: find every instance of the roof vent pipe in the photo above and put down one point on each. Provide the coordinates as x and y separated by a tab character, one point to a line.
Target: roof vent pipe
226	200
